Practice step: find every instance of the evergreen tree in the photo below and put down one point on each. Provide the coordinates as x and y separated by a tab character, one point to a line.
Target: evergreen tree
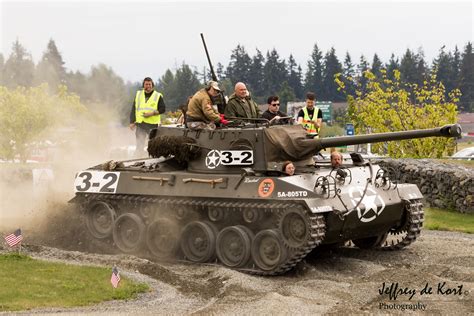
51	68
456	66
392	66
314	73
77	83
362	67
220	71
409	67
376	66
19	67
176	88
294	79
422	71
239	65
187	83
466	79
443	67
167	85
256	77
332	66
274	72
348	70
105	86
285	94
348	74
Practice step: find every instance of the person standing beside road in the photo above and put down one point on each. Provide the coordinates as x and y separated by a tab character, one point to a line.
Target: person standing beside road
310	116
240	104
201	113
146	113
273	113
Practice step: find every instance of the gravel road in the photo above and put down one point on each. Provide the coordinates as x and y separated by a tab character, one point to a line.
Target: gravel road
330	281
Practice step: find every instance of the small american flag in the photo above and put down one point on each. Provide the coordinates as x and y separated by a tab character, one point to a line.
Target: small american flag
115	278
14	238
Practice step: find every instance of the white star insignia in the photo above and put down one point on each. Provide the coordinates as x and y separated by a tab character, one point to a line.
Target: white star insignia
213	159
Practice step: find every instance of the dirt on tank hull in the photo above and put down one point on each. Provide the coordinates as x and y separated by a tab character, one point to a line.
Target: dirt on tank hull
219	196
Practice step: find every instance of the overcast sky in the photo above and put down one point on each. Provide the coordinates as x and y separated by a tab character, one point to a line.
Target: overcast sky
139	39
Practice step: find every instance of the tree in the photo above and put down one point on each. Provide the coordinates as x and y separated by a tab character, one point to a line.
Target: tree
274	72
220	71
466	79
362	67
187	84
422	72
51	68
443	66
376	65
21	123
239	65
392	65
177	87
256	76
105	86
314	74
295	77
387	106
19	68
456	66
332	66
413	68
349	73
285	94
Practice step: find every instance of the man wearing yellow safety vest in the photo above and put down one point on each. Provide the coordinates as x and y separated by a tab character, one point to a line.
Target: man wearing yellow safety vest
310	116
145	114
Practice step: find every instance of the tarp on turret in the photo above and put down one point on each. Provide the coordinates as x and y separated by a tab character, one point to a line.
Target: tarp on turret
288	142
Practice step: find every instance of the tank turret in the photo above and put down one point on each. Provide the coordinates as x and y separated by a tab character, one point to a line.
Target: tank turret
219	196
262	148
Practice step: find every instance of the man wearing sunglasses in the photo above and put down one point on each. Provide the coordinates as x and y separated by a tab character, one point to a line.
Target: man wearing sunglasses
273	113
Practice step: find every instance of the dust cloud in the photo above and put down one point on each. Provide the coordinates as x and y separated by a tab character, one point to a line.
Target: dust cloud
34	195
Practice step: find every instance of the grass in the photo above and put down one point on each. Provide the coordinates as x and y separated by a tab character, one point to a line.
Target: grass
27	283
436	219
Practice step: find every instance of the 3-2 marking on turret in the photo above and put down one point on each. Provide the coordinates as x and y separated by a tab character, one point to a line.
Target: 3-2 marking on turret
228	157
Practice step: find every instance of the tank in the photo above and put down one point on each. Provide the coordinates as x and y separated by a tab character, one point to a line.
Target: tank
219	196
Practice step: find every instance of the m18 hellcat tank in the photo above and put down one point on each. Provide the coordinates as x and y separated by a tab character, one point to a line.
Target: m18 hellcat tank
219	196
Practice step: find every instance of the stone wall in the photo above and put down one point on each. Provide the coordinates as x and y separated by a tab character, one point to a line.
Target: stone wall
443	185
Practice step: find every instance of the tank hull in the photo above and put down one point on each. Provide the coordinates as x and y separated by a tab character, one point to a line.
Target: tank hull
254	223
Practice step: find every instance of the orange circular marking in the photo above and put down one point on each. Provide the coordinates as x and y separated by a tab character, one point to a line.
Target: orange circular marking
266	187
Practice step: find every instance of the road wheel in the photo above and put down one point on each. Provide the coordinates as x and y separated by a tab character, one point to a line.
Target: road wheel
129	232
198	241
100	220
162	238
234	246
268	251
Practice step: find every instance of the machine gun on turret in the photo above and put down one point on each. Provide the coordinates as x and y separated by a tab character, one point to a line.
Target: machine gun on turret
221	101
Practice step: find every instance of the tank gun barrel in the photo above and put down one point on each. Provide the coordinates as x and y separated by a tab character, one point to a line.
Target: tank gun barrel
452	130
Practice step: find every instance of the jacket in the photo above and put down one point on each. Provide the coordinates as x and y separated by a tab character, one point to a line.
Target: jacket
237	107
200	108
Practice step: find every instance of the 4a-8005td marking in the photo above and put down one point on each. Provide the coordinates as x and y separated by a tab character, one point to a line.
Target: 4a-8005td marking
96	181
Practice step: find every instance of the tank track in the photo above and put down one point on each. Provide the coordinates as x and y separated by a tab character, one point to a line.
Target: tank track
274	212
410	230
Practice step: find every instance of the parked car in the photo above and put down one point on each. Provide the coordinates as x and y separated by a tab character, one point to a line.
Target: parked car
466	153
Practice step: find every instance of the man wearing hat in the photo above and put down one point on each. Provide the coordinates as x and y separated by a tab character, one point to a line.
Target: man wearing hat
201	113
